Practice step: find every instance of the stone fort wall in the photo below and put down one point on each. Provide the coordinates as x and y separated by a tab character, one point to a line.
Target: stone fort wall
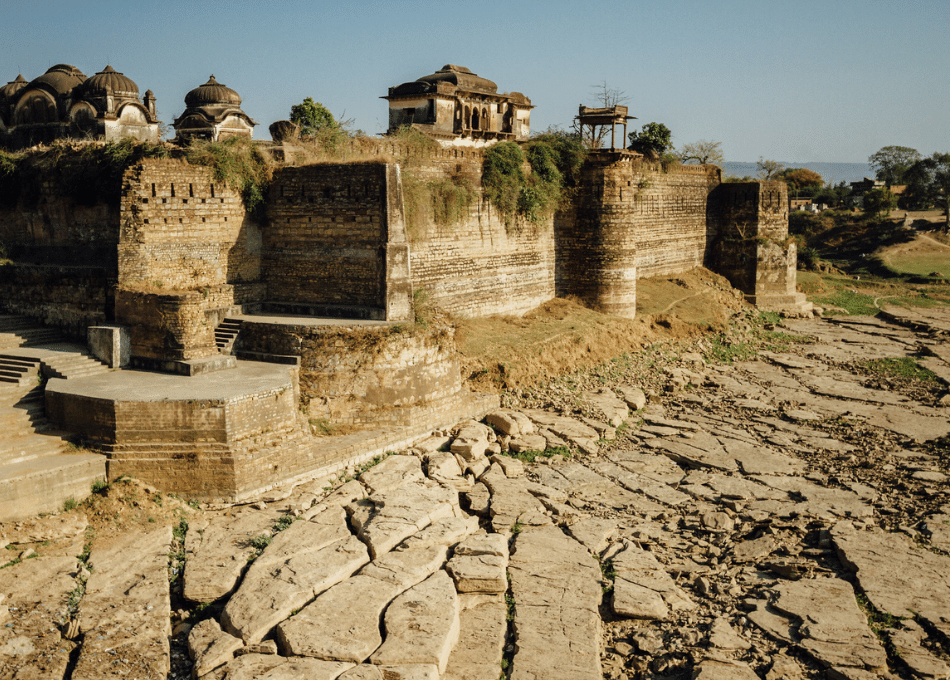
335	241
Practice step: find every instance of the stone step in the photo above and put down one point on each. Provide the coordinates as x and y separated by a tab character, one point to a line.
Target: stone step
32	448
30	487
226	334
14	322
27	337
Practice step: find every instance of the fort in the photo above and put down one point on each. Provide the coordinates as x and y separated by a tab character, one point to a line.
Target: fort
236	329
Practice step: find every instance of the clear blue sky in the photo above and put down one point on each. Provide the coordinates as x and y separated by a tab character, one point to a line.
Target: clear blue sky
793	81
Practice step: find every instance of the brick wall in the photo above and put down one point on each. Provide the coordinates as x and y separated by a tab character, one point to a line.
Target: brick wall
362	376
335	241
632	219
181	230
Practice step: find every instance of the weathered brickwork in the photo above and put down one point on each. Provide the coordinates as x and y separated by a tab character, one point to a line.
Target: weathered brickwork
632	219
336	239
181	230
363	376
63	268
752	249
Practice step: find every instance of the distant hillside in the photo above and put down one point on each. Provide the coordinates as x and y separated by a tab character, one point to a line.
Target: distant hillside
832	172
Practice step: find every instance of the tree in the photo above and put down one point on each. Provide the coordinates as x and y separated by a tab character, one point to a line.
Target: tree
892	162
928	182
312	117
801	178
653	139
703	152
768	169
879	202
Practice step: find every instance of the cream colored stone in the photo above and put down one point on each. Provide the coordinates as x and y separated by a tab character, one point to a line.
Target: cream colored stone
210	647
482	630
614	408
471	441
392	473
556	587
342	624
217	556
401	513
269	593
343	495
125	615
643	589
422	625
512	467
444	532
512	423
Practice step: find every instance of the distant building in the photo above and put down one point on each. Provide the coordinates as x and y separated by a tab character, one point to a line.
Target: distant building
455	106
865	185
213	112
64	103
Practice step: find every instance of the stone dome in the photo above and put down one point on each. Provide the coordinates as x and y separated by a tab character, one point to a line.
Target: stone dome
62	78
108	78
11	88
212	93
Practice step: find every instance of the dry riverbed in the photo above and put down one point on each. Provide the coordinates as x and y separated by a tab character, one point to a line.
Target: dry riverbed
697	510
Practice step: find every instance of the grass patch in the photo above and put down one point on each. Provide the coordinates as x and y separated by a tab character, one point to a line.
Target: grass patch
609	574
852	301
532	455
70	504
100	486
725	351
902	367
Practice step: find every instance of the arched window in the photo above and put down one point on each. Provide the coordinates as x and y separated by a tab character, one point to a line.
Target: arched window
36	108
468	117
485	119
476	120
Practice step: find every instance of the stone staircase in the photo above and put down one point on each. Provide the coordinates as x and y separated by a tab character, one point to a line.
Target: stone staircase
39	470
225	335
20	371
22	331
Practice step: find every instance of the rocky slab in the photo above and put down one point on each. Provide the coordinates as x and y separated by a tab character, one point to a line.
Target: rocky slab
384	521
822	617
643	589
422	625
582	436
34	596
342	624
482	628
613	407
406	672
125	613
510	422
217	553
273	667
898	577
270	592
510	500
392	473
556	588
210	647
479	564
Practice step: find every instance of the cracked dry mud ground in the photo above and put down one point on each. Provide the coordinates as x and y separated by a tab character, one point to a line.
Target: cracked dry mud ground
784	517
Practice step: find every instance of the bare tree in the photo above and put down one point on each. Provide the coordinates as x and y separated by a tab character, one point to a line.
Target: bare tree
768	169
704	151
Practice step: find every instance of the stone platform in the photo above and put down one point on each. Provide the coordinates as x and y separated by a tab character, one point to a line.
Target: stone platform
222	436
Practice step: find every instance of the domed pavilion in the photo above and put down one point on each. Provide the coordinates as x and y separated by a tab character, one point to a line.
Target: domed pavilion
213	112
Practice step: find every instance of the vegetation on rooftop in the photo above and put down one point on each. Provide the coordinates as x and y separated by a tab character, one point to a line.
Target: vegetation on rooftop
237	162
86	173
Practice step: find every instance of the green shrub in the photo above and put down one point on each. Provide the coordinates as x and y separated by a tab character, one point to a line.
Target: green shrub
503	178
237	162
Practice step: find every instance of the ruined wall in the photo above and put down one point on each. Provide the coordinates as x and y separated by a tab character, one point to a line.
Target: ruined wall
62	260
479	265
632	219
363	376
335	242
181	230
752	249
